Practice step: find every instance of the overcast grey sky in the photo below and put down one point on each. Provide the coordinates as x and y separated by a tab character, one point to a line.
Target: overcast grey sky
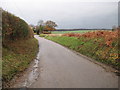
66	13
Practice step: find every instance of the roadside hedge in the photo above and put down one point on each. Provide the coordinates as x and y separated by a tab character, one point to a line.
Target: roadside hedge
14	28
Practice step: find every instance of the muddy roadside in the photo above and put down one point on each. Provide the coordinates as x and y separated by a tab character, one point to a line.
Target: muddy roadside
25	78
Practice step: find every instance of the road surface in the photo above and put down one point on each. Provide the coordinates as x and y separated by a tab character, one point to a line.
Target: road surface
59	67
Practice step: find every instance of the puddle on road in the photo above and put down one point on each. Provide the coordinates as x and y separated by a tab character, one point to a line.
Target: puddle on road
30	76
33	75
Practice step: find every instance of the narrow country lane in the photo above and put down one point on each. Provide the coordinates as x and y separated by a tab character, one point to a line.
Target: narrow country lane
58	67
61	68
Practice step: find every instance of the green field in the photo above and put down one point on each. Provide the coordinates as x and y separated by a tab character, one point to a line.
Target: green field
62	32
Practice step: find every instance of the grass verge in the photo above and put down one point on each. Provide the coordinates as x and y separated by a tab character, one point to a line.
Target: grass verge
43	35
91	47
17	56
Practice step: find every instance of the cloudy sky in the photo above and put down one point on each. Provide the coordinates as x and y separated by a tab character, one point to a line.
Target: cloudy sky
66	13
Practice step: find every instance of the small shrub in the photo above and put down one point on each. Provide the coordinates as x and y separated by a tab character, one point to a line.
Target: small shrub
42	35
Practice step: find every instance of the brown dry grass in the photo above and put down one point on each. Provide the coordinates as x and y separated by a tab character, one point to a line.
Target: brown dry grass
54	34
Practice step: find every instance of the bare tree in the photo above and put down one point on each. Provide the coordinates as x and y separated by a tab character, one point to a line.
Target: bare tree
40	26
40	22
114	28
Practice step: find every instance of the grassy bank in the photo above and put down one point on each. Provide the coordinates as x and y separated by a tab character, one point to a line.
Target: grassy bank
95	48
17	55
19	47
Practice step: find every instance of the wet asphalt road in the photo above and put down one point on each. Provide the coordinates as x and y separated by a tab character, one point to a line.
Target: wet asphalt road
61	68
